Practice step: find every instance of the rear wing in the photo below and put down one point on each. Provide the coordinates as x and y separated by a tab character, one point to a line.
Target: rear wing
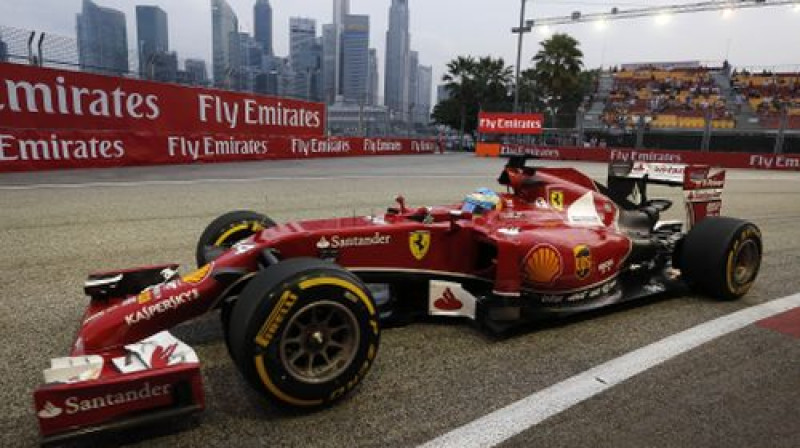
702	185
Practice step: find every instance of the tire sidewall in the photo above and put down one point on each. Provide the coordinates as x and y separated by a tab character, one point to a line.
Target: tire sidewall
707	256
256	345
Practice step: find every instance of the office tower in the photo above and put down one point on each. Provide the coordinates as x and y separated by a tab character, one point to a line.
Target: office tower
3	51
251	59
329	63
152	39
305	56
262	16
341	9
442	93
397	58
355	58
102	39
424	91
226	51
413	72
197	72
373	96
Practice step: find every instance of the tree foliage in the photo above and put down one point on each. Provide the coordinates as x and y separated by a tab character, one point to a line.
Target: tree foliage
473	84
555	84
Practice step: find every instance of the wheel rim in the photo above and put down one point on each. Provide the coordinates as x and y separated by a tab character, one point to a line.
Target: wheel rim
746	262
319	342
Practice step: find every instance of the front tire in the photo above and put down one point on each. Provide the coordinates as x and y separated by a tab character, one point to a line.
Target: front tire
227	230
304	332
721	257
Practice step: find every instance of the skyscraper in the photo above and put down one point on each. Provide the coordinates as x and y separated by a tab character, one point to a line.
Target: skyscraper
226	52
413	73
397	57
196	71
251	59
305	57
373	81
102	39
152	37
262	16
341	9
424	91
3	50
330	63
355	58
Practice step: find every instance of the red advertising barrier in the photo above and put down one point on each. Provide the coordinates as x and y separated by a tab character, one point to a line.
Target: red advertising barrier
509	123
40	98
718	159
30	150
55	119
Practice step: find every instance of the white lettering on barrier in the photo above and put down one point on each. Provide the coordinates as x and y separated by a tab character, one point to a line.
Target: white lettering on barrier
56	97
378	145
55	148
252	113
307	147
777	162
210	147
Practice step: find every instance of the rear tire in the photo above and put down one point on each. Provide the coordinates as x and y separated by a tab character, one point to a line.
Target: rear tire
304	332
721	257
226	231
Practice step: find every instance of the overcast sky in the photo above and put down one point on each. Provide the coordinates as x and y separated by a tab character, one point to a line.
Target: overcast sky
444	29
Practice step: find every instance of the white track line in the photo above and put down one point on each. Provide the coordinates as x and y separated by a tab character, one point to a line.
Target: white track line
229	180
501	425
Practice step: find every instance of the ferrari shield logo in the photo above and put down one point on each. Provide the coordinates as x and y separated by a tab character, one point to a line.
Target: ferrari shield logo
583	261
557	200
419	242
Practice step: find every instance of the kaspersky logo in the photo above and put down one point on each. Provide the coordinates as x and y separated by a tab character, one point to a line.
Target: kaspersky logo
74	405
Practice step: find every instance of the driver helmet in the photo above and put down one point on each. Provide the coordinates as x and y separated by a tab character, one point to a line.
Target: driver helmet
480	201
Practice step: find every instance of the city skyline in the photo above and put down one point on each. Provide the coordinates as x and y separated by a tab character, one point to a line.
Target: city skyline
703	37
245	61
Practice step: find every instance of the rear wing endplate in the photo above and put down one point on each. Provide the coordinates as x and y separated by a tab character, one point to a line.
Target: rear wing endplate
702	185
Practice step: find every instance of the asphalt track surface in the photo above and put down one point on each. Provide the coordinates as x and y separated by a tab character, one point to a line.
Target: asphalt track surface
430	378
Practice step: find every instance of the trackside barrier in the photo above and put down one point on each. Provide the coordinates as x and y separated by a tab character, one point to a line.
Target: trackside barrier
718	159
35	150
58	119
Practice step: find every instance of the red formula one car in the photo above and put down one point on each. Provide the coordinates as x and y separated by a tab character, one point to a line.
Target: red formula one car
302	303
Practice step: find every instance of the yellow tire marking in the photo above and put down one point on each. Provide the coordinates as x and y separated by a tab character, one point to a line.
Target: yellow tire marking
329	281
243	226
729	268
267	381
263	337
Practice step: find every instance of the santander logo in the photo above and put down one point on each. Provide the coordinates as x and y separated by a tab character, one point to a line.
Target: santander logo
49	410
448	301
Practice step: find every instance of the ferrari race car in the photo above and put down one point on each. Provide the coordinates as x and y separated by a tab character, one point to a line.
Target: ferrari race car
303	303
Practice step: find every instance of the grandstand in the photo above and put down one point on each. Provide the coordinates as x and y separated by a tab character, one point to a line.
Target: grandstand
683	96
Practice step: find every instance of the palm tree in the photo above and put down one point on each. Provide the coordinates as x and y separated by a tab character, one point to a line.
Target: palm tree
473	84
557	73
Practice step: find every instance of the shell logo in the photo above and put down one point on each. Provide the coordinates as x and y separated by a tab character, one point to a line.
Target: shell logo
543	264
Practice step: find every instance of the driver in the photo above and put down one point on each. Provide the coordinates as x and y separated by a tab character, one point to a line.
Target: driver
481	201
